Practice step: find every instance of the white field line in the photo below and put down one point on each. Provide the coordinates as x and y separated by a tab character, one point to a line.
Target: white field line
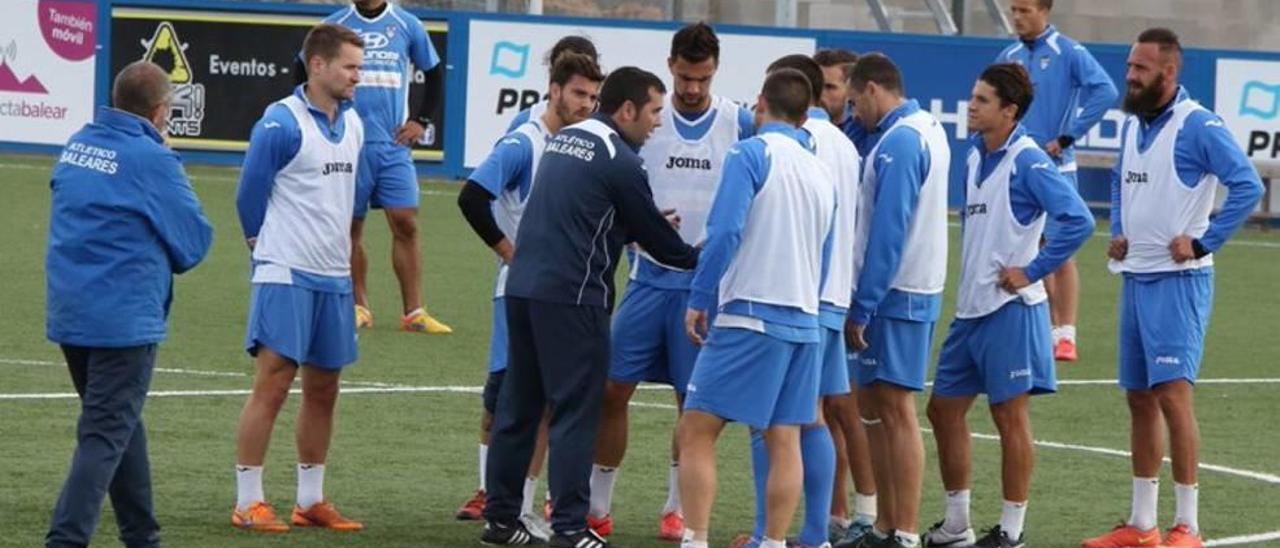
198	373
1228	541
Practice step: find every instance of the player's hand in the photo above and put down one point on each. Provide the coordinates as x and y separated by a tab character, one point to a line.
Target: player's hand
695	326
251	242
505	250
672	217
1053	148
1119	248
1181	249
853	336
409	133
1012	279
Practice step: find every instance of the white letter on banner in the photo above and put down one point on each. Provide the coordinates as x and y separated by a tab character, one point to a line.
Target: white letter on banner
960	117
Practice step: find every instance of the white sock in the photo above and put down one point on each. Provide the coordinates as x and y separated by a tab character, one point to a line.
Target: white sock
1056	333
689	539
771	543
484	460
1145	493
864	507
1188	506
957	516
841	522
248	486
415	312
878	533
673	490
907	539
530	486
602	478
1068	332
310	484
1012	516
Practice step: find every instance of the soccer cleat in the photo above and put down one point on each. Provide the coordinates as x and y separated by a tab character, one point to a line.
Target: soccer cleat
364	317
745	541
671	527
602	526
938	536
854	534
323	514
473	509
1181	537
1124	536
514	534
996	538
259	517
835	530
536	526
1065	350
419	321
870	540
585	538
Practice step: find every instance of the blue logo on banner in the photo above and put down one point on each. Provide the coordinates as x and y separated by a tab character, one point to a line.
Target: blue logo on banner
509	59
1260	100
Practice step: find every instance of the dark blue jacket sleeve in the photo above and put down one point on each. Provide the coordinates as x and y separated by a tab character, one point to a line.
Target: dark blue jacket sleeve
645	225
900	164
174	212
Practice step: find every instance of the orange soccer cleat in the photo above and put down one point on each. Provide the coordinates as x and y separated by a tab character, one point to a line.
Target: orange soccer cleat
602	526
1065	351
1125	536
259	517
323	514
473	509
671	527
1181	537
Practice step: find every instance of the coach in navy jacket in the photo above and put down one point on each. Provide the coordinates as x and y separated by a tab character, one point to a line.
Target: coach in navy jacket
124	221
591	197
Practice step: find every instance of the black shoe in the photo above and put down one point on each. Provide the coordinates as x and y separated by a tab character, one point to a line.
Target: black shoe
995	538
585	538
510	534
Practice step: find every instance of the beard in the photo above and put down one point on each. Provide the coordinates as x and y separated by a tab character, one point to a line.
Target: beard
1144	99
566	114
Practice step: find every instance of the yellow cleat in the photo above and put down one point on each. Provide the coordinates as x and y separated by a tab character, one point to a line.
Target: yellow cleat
419	321
364	318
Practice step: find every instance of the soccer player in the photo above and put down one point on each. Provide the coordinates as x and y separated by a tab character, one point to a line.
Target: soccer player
492	201
683	157
768	246
999	343
572	43
1072	94
841	410
394	40
296	192
589	199
124	220
901	259
817	448
1173	154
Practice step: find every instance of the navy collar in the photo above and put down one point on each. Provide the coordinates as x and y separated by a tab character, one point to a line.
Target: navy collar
128	122
907	108
607	120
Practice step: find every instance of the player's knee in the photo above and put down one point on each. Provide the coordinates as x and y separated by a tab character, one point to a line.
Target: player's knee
616	397
1010	417
936	412
404	225
1143	402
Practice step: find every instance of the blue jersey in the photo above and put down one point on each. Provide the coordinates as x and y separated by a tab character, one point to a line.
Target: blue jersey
1067	79
124	220
392	41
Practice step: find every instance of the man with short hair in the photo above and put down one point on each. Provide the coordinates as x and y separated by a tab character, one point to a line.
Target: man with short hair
684	158
493	201
1173	153
124	221
768	248
296	192
901	261
1072	95
395	42
999	342
573	43
590	197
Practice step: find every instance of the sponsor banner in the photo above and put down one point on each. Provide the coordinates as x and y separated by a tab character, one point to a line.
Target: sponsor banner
47	65
506	71
226	68
1248	100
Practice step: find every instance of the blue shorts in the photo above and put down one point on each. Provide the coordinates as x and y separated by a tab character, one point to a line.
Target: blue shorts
308	327
1162	326
1004	354
386	179
1051	226
834	378
898	353
498	337
649	341
755	379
